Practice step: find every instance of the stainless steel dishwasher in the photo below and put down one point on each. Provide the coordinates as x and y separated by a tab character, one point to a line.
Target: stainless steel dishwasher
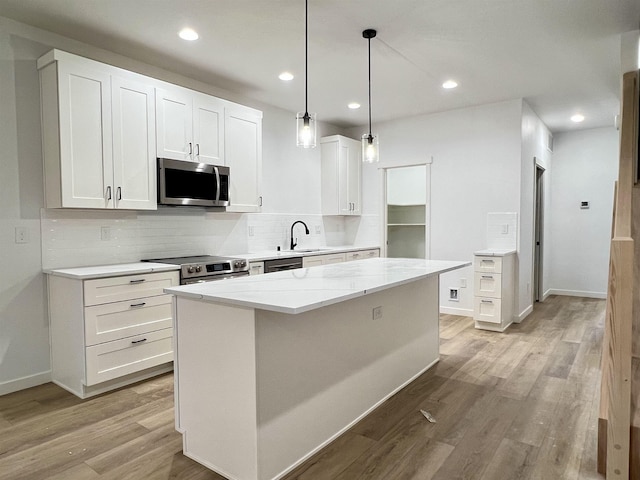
280	264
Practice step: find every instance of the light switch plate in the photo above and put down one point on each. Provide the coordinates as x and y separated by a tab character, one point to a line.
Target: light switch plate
22	235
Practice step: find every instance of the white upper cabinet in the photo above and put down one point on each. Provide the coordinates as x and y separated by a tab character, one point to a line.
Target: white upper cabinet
341	176
190	126
98	136
243	156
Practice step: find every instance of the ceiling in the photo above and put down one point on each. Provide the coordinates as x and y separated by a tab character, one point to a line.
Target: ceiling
561	56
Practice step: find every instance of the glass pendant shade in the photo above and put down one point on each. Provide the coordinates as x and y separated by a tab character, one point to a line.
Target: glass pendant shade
370	148
306	129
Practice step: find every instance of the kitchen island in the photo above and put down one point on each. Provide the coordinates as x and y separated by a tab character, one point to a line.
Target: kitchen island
271	368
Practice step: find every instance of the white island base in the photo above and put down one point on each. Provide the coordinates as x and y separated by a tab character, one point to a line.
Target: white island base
260	391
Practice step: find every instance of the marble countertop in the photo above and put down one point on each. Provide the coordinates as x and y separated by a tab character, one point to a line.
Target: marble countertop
495	252
103	271
304	289
273	254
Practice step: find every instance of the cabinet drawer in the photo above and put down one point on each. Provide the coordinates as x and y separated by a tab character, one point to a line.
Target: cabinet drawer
488	284
487	310
113	321
129	355
487	264
129	287
359	255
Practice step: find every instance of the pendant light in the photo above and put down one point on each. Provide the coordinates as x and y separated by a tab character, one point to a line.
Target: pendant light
370	150
306	122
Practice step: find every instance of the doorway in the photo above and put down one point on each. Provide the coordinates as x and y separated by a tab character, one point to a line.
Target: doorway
538	234
406	211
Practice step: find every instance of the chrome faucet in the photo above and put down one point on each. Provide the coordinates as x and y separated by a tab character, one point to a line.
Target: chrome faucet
306	230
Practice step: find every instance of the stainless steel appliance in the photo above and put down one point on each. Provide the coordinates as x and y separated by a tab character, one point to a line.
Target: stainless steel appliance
192	183
206	268
279	264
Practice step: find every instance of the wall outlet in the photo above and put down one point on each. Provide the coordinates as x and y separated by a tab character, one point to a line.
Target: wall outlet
505	229
250	230
463	283
453	295
105	233
22	235
377	313
317	229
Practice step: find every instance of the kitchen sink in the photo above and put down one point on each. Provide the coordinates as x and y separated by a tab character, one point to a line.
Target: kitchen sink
308	250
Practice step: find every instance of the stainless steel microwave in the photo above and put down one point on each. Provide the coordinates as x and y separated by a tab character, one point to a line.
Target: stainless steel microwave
191	183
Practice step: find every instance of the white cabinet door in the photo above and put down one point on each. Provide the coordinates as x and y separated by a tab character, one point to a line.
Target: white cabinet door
134	153
243	156
86	169
174	124
208	129
256	268
341	176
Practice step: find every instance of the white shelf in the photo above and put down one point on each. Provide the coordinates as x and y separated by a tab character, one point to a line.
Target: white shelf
406	224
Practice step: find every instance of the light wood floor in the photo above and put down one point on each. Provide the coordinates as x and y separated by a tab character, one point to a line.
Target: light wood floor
518	405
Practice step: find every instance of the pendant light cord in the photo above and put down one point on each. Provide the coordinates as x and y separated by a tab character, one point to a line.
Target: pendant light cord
369	41
306	56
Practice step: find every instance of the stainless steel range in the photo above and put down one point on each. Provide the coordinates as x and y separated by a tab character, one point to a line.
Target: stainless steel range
206	268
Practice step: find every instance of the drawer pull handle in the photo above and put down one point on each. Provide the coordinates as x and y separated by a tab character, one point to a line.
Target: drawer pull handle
138	341
487	276
137	281
487	301
133	305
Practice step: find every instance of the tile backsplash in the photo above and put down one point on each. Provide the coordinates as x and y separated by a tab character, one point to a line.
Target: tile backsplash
73	238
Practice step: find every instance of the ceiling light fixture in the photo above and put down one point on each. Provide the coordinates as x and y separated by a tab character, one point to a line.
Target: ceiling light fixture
306	122
370	147
354	105
188	34
286	76
449	84
577	118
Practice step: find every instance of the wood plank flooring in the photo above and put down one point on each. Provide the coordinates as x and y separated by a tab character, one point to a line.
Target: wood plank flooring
517	405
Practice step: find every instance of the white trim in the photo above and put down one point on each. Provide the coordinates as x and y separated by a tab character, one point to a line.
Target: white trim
546	294
463	312
25	382
525	313
577	293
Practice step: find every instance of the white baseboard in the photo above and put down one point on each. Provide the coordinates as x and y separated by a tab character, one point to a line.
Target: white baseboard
546	294
524	314
577	293
25	382
463	312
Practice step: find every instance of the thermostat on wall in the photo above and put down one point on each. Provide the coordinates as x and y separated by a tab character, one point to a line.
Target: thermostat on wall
584	204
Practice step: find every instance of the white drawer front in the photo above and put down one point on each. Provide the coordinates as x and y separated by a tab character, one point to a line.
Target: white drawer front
359	255
487	310
129	355
487	264
337	258
117	289
488	284
113	321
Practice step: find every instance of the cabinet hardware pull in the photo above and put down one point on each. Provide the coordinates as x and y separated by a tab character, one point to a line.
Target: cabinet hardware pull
260	198
487	276
197	149
140	280
119	193
487	301
133	305
190	148
139	341
109	192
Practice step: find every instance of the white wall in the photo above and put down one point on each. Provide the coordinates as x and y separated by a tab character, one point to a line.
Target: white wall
585	167
476	170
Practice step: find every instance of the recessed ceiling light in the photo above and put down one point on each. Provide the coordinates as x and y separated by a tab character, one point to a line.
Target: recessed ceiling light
353	105
577	118
450	84
286	76
188	34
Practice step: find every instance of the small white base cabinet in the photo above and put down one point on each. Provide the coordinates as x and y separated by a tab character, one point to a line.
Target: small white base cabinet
494	276
110	332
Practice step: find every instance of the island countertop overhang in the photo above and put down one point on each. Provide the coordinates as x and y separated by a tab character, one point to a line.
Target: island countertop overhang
305	289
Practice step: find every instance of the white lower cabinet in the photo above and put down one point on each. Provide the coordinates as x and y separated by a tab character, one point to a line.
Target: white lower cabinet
493	302
110	332
362	254
316	260
256	268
